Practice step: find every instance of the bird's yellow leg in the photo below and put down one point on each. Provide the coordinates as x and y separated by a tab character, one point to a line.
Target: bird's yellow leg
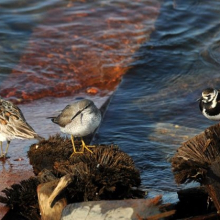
74	148
86	147
72	140
6	151
1	149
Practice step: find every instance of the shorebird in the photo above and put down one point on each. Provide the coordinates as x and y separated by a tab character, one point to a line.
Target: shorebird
209	104
79	119
13	125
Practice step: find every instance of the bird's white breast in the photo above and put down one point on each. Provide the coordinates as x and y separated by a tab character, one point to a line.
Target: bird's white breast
2	137
211	117
82	125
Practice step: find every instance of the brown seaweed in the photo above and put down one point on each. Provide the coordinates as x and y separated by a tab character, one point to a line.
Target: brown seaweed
22	199
198	159
107	173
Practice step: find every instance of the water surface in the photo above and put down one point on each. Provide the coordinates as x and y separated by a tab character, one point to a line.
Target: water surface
168	51
75	45
154	109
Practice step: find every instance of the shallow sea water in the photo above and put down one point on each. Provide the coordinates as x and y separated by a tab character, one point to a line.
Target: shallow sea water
154	109
171	58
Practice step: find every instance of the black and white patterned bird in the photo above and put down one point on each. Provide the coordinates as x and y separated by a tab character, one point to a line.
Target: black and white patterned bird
209	104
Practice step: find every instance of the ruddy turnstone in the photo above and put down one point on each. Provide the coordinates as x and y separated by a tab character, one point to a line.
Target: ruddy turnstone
209	104
79	119
13	125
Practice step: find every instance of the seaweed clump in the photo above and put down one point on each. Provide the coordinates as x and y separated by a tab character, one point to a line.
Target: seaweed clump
22	200
196	156
106	174
198	159
45	153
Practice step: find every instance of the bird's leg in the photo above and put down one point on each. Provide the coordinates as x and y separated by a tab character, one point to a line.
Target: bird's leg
1	149
86	147
72	140
74	148
6	151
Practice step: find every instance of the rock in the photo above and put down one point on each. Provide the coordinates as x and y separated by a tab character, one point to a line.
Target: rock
115	209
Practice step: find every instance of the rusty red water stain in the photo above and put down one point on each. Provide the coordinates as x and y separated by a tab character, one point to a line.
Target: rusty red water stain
12	171
3	210
92	90
75	50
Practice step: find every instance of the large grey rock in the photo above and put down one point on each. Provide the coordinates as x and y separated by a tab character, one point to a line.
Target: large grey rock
116	209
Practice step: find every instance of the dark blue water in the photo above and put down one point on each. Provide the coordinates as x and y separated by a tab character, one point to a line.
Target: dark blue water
154	109
18	19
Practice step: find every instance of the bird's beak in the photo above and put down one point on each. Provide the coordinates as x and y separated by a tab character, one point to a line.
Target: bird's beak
199	99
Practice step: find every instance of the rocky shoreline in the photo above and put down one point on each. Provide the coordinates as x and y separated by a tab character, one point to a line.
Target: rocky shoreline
67	186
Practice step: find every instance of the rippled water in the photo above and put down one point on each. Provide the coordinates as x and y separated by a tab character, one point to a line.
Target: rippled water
75	45
154	109
169	51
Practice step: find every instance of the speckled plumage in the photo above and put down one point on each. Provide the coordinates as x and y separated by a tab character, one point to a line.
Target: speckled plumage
13	125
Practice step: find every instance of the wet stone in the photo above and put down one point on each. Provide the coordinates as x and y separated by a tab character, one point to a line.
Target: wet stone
116	209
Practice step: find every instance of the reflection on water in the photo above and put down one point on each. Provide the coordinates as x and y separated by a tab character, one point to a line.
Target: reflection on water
78	45
18	18
154	109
